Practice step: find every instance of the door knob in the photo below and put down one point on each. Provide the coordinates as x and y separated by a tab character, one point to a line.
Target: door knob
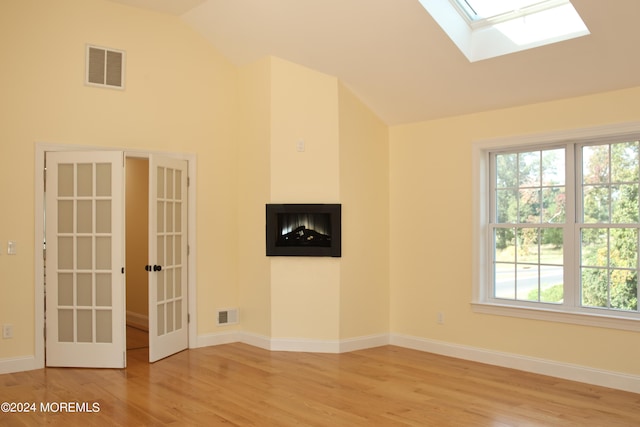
157	268
147	268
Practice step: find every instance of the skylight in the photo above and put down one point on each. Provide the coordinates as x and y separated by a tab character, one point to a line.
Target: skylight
487	9
485	29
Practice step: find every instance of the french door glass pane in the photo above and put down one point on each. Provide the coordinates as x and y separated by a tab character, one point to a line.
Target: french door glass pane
85	180
160	319
65	180
65	325
85	216
103	253
85	253
65	253
65	289
84	325
65	216
103	289
85	289
103	180
103	216
103	326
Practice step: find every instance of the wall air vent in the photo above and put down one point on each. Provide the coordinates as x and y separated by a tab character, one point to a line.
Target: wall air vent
227	316
105	67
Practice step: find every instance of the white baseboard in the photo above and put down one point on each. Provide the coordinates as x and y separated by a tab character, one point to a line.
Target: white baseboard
599	377
293	344
362	343
19	364
315	346
216	339
138	320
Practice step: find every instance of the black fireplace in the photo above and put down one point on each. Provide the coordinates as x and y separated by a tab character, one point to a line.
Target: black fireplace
304	230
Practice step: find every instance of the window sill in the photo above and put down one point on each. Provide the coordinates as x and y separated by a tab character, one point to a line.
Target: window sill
550	315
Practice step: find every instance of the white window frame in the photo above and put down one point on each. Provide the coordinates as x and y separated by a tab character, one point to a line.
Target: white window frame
482	301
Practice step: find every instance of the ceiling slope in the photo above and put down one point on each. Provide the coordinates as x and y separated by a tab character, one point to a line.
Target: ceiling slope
397	59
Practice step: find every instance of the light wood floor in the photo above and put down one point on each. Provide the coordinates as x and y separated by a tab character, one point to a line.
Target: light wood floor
240	385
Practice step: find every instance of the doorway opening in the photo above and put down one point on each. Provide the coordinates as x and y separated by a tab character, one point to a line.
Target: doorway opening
137	248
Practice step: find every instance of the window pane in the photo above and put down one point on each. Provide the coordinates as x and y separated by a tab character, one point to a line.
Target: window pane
624	162
506	170
624	290
595	164
551	246
505	281
529	206
529	169
595	287
624	203
528	278
596	204
551	284
623	246
594	251
553	167
506	206
527	249
553	205
504	242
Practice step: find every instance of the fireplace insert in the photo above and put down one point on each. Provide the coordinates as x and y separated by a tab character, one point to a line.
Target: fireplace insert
304	230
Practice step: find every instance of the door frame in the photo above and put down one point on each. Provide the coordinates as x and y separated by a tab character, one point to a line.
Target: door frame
39	295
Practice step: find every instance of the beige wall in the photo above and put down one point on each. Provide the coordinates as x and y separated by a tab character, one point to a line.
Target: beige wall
180	96
345	161
431	240
254	172
364	190
305	291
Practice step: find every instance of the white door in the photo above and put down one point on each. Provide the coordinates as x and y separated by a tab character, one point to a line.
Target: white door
168	329
85	319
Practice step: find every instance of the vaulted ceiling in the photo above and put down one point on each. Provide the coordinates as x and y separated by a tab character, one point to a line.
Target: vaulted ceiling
398	61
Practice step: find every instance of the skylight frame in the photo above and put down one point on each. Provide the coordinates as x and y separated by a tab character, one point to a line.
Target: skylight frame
508	32
475	21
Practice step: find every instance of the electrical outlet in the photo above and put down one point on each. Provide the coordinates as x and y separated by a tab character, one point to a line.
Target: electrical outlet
440	318
7	331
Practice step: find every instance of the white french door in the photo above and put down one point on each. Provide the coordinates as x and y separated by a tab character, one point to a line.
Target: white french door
85	319
168	325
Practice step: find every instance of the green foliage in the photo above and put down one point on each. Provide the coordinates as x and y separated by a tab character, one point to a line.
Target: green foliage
609	255
554	294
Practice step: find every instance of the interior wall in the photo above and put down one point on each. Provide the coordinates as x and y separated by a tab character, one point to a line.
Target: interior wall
180	95
254	171
305	291
364	191
137	241
431	235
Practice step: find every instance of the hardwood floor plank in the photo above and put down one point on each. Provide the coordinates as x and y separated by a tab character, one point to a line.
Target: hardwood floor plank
240	385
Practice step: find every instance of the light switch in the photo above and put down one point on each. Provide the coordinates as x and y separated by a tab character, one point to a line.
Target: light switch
12	248
300	145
